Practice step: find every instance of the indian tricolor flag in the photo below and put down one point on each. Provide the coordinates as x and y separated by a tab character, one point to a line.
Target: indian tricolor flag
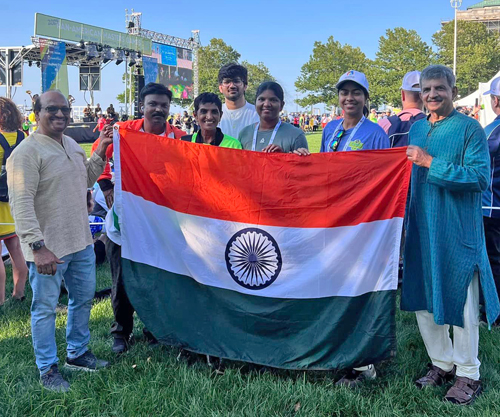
274	259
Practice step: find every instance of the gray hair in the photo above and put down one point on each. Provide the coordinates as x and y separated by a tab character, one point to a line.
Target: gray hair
434	72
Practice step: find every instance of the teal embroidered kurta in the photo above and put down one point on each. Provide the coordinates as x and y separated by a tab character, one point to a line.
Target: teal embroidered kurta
445	242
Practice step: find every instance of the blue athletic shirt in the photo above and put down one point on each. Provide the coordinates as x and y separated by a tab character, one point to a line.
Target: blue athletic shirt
491	197
369	136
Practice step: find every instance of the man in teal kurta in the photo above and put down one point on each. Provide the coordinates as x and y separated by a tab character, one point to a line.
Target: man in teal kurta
445	253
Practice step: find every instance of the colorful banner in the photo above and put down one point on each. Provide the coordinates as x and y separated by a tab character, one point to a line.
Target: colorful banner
54	66
280	260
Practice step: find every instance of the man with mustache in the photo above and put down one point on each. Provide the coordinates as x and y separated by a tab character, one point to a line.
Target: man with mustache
155	105
445	253
48	177
236	111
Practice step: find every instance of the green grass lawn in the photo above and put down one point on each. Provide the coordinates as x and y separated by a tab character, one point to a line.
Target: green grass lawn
150	382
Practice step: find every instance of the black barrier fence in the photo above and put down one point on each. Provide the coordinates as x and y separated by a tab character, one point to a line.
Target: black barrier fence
82	132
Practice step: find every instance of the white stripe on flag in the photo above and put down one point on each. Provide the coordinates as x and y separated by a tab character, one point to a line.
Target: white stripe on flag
344	261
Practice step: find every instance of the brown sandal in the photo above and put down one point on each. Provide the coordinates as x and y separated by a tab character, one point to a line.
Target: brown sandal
435	377
464	391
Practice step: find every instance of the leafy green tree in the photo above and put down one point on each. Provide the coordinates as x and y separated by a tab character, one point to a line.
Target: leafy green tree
399	52
257	74
327	63
210	59
122	97
217	54
478	53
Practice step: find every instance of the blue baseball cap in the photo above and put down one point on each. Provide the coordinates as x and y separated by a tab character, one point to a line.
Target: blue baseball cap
356	77
494	88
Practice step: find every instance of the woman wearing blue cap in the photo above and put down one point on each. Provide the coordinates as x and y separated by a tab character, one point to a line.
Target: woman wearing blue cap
354	132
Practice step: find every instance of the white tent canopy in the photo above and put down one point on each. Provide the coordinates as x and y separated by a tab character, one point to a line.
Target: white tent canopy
486	115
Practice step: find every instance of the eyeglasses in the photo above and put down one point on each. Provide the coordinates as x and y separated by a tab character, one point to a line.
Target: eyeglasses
236	81
54	109
336	142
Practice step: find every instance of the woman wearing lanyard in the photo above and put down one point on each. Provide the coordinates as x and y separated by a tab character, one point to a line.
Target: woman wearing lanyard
354	132
270	134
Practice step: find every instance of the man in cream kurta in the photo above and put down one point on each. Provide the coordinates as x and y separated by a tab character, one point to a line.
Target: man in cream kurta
48	177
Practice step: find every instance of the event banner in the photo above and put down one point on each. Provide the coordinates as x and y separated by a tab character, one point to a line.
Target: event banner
54	66
55	27
274	259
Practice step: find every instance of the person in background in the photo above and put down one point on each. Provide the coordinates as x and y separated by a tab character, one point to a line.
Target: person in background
87	112
491	197
270	134
48	177
187	121
110	111
101	122
398	126
10	136
324	121
97	230
237	112
445	253
26	125
178	121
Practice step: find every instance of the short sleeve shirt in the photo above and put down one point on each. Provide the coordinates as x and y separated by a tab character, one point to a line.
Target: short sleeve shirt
288	138
369	136
233	121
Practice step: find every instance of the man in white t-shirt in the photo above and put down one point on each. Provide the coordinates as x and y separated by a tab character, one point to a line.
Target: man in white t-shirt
236	111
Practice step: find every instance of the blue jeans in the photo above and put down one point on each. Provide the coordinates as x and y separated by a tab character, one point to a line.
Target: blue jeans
78	271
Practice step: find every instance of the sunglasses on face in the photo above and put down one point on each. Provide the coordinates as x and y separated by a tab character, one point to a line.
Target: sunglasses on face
54	110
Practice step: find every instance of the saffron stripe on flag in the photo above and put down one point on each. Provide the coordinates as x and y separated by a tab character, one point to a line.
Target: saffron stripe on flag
265	189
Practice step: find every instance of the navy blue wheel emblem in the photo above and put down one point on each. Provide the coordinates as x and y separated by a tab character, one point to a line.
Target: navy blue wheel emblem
253	258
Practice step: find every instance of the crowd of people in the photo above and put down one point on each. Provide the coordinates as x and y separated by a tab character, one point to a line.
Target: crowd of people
446	252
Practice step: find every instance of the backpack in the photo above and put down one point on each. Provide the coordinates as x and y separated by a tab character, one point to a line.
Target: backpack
7	150
398	132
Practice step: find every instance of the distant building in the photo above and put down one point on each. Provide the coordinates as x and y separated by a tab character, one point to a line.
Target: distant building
487	12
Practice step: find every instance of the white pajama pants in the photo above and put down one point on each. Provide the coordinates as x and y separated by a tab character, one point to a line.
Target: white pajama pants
463	351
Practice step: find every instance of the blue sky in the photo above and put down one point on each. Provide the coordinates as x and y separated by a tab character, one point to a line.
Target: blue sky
279	33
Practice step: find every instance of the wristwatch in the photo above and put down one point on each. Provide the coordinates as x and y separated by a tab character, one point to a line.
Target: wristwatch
39	244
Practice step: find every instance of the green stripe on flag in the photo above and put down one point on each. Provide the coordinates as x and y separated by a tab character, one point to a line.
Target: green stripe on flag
316	334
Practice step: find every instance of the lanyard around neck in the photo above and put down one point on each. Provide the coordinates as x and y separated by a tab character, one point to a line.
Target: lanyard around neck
254	143
351	136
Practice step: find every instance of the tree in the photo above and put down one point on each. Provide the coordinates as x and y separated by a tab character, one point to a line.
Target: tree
399	52
478	53
123	97
327	63
210	59
217	54
257	74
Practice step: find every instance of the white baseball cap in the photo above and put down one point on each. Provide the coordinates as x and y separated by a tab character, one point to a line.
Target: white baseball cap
411	79
356	77
494	88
